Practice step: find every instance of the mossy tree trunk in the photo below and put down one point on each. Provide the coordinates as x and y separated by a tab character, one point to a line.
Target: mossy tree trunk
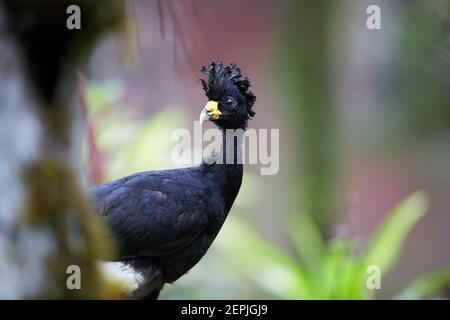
49	224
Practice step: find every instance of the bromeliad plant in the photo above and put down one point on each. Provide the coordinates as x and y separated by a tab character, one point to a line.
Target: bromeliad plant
336	270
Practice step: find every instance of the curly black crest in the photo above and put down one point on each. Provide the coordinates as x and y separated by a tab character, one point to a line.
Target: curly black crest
227	81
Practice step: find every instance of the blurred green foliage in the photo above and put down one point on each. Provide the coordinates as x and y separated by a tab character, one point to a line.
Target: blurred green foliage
427	286
317	271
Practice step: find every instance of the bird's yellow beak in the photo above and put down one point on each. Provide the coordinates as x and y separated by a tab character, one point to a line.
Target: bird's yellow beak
210	112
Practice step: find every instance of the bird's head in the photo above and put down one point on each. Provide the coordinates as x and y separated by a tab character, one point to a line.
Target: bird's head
230	100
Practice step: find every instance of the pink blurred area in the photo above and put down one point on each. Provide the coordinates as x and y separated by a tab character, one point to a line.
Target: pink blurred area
176	38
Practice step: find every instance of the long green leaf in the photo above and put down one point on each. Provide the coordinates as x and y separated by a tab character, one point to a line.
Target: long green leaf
308	241
268	266
427	286
386	244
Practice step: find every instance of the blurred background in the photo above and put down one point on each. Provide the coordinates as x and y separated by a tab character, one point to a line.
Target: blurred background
364	120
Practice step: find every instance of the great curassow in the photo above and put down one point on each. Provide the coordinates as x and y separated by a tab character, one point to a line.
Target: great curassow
165	221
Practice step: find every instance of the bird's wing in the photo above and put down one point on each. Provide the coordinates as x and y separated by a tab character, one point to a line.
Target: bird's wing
153	214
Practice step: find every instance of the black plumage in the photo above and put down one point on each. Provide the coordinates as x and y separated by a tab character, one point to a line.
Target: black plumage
165	221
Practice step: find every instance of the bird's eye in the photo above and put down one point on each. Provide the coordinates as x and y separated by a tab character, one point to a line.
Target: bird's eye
229	101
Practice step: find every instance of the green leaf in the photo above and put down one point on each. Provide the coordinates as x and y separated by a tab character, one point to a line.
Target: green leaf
343	271
269	267
427	286
308	241
386	244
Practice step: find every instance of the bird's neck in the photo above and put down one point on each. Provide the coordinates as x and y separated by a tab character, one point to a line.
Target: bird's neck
231	152
227	169
231	156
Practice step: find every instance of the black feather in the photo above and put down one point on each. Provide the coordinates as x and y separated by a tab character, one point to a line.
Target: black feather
227	81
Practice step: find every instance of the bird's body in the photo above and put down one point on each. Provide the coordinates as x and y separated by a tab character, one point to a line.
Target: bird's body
165	221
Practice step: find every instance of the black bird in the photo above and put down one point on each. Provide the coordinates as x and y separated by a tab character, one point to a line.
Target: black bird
165	221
